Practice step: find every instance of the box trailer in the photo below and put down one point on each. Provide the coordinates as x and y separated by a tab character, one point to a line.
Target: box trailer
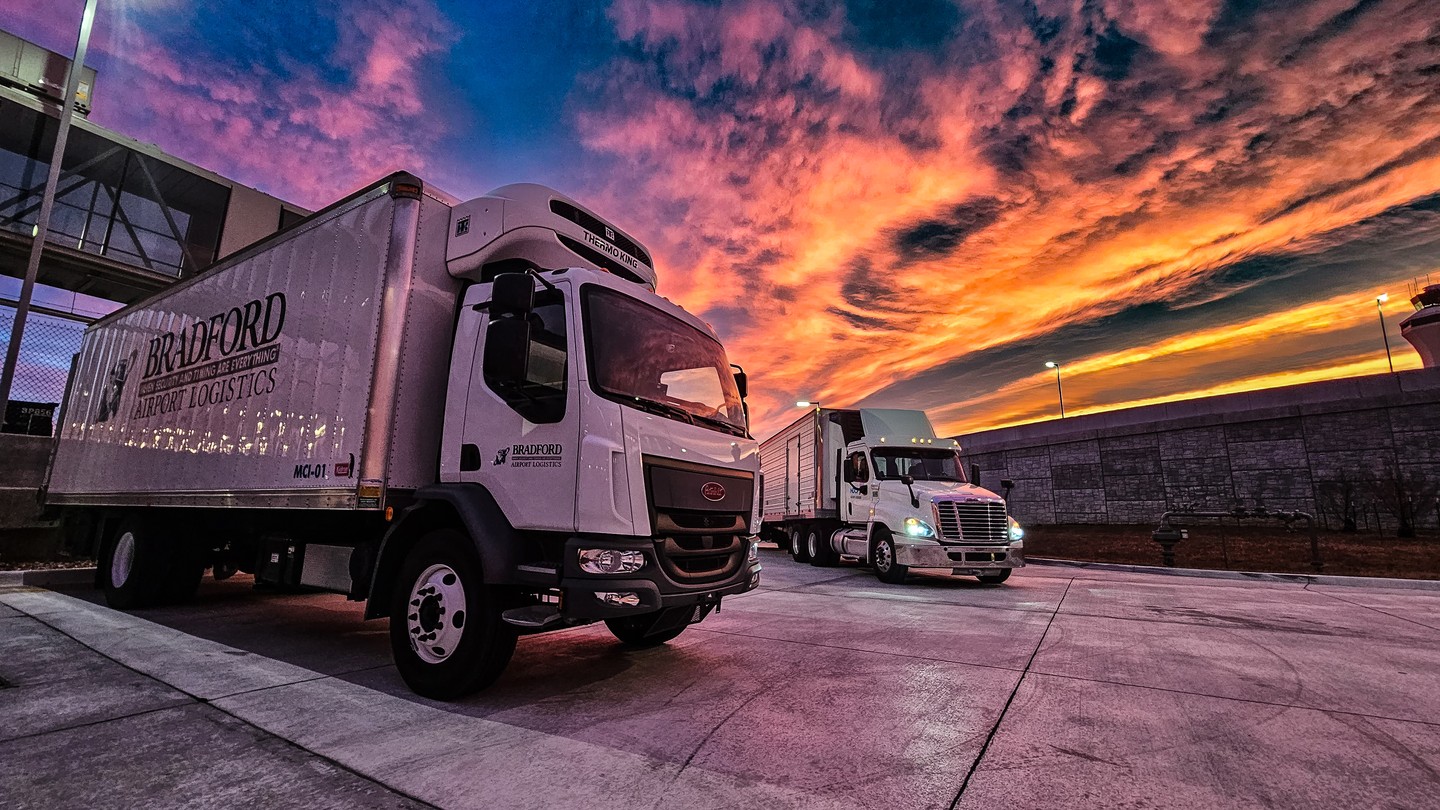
878	486
475	416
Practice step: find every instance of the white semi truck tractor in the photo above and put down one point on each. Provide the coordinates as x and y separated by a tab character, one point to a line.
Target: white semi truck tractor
877	485
477	417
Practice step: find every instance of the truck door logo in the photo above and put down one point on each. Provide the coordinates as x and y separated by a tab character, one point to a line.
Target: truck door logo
110	394
500	456
713	491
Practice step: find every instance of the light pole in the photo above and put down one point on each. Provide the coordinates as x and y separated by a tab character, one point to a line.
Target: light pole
47	203
805	403
1380	299
1058	388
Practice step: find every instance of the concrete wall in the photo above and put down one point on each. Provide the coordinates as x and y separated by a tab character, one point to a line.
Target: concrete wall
24	533
1280	446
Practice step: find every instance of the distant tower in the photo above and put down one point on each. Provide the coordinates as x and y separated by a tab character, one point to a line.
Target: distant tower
1422	329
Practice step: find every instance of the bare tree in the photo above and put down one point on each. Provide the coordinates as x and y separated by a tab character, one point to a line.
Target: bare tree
1405	493
1340	499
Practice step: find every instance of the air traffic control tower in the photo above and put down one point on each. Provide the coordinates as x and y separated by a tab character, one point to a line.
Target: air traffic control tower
1422	328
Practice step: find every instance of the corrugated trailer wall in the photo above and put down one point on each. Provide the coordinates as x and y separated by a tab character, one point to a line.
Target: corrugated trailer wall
791	468
229	422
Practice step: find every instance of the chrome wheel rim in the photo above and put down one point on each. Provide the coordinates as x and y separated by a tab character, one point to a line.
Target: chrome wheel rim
435	620
813	545
795	550
883	556
123	560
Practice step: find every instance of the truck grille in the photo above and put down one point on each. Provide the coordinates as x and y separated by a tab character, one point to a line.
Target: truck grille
974	523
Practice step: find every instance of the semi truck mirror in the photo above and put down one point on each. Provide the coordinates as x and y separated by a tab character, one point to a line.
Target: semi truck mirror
507	350
975	473
513	294
740	385
907	479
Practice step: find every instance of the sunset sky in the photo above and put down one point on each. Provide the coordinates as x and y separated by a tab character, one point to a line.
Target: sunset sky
874	203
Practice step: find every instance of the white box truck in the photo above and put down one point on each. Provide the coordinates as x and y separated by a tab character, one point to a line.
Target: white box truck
877	485
476	417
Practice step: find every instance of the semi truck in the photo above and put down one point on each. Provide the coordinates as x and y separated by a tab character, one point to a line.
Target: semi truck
878	486
476	417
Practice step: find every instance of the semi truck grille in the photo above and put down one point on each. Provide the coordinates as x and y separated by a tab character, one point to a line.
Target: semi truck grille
976	523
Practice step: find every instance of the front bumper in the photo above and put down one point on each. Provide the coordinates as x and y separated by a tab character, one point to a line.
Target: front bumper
959	557
655	588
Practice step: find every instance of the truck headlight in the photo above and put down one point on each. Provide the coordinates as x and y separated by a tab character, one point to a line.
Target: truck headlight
915	527
754	551
1016	533
610	561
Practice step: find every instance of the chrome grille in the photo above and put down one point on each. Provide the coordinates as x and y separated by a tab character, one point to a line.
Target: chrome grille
976	523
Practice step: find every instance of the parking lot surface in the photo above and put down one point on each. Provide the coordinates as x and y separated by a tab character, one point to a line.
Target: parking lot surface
824	688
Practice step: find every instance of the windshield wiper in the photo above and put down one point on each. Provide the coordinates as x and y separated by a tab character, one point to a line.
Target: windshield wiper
663	408
728	427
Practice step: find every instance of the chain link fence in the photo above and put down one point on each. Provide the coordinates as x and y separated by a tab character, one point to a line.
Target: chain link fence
43	366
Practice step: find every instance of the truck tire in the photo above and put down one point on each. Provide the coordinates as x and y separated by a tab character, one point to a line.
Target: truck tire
630	630
798	552
446	633
995	578
882	556
132	566
817	546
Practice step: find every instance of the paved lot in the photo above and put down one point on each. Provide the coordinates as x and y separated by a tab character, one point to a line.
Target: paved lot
825	688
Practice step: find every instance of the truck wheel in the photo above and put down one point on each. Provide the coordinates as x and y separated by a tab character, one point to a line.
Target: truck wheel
630	630
996	578
883	558
446	633
132	566
798	551
817	546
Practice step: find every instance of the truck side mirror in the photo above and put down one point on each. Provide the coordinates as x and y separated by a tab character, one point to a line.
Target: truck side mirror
507	350
513	295
740	385
907	479
975	473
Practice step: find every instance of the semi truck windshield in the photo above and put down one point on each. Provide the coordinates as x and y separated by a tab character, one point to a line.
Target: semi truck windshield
922	464
653	361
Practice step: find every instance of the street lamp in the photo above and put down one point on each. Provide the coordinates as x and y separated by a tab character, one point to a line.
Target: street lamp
1380	299
805	403
1058	388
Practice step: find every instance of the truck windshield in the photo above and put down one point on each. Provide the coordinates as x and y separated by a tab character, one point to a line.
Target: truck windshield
656	362
922	464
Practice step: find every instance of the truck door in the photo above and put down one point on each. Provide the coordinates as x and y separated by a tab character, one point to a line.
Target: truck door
526	428
857	491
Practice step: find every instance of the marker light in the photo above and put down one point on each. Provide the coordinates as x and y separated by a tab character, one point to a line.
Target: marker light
610	561
915	527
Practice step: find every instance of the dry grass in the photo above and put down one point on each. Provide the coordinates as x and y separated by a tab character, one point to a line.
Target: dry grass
1249	548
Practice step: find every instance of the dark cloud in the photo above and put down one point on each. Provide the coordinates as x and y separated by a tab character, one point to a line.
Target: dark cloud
1114	54
887	25
932	238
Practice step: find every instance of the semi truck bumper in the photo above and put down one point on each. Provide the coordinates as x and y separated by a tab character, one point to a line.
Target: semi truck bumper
587	595
959	558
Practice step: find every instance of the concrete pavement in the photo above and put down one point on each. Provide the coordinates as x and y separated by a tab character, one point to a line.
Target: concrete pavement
825	688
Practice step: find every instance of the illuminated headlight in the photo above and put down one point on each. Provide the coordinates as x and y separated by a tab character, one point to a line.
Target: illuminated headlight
915	527
610	561
618	598
1016	533
754	551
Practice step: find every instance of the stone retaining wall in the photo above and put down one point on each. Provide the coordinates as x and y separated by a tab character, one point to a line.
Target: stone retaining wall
1288	448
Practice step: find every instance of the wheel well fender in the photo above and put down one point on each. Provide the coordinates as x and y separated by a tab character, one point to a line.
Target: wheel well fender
467	507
